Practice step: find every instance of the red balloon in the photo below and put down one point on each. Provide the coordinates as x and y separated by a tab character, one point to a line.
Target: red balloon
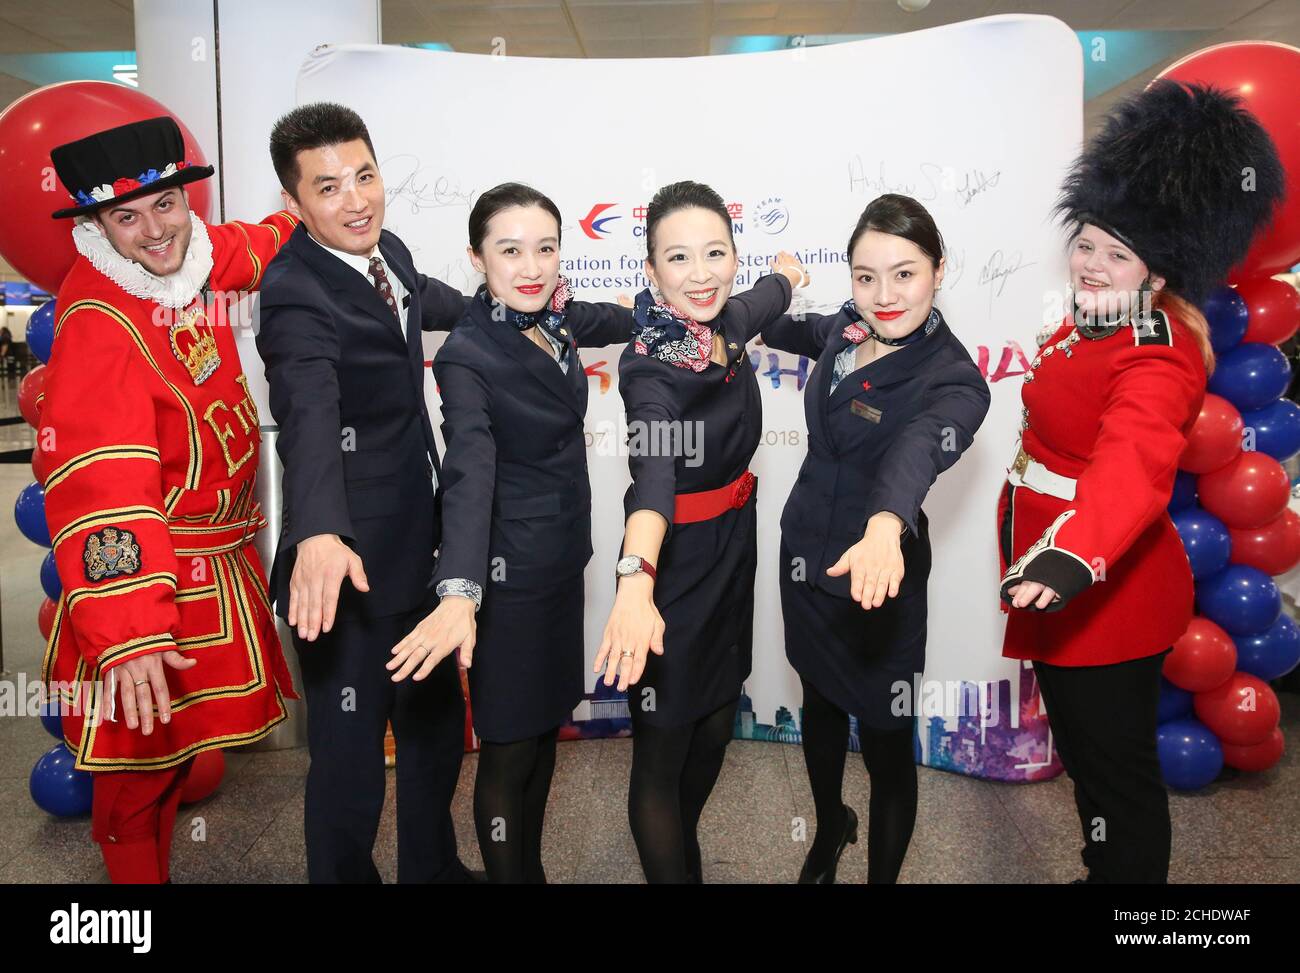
1249	492
1266	76
40	462
1215	437
1244	710
204	777
1203	657
1274	307
1273	548
30	391
1255	757
45	618
37	246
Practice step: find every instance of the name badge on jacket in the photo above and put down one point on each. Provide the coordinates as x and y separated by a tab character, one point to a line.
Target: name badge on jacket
865	411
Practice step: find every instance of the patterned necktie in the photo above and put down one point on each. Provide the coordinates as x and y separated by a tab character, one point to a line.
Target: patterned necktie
384	288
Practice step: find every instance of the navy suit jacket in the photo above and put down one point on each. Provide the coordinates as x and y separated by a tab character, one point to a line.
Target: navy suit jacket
517	499
876	443
347	391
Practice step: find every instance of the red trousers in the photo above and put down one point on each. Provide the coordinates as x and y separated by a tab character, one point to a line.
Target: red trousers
132	819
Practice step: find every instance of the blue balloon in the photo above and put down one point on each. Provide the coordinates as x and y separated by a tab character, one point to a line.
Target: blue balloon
57	786
1205	539
40	331
52	718
1271	654
1228	316
1251	375
29	512
1190	755
1239	599
1174	703
50	577
1184	494
1276	427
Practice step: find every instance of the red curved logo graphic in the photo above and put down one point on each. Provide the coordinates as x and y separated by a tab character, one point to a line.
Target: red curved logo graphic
594	227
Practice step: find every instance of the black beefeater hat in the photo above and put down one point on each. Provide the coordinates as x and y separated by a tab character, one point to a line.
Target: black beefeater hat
122	163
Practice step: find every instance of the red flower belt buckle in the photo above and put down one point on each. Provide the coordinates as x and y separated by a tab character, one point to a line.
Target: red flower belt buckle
743	490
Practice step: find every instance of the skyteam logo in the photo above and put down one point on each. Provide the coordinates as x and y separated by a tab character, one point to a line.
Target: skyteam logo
771	215
594	225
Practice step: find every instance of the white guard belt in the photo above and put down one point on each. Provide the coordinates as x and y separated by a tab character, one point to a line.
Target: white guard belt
1028	472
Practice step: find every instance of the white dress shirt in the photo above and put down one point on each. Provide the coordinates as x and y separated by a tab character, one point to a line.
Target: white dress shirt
361	264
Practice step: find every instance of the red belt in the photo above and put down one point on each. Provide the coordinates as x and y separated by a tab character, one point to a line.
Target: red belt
691	508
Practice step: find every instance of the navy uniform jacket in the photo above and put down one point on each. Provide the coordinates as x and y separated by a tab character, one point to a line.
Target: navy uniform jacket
348	394
516	496
877	443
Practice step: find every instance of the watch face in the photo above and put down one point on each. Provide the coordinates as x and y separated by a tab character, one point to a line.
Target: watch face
628	565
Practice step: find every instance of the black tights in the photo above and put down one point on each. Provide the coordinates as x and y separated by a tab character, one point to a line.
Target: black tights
510	791
673	772
892	769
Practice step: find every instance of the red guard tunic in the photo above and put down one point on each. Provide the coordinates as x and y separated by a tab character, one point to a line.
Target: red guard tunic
1111	415
153	440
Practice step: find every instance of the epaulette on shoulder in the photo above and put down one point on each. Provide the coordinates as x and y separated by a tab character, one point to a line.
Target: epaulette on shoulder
1154	330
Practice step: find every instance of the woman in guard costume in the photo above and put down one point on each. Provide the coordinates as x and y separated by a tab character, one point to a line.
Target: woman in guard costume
1096	580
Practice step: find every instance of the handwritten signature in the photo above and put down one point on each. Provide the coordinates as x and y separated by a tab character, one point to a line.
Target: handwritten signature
998	268
410	183
935	180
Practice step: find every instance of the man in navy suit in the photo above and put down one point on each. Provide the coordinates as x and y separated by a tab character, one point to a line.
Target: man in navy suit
342	310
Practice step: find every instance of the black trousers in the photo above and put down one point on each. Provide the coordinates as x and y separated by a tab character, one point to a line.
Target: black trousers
350	699
1103	721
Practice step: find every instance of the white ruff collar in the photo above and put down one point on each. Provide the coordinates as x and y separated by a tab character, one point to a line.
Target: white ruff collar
176	290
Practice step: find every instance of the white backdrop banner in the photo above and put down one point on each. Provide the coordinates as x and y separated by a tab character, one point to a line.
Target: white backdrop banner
977	120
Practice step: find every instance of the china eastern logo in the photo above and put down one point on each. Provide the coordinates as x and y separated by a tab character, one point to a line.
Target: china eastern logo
594	225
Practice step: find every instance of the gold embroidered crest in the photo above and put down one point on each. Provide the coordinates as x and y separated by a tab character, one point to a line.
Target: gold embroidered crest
111	553
193	344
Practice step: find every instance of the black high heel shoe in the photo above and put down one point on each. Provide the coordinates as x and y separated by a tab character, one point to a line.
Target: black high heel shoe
849	837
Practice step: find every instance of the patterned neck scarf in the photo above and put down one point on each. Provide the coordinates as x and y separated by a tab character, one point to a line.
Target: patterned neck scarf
665	333
859	331
549	318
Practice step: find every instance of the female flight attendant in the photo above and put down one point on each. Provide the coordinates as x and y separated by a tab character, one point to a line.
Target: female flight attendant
893	401
516	515
686	578
1096	577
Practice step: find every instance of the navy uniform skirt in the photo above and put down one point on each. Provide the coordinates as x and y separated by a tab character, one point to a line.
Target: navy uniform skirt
705	594
527	672
855	657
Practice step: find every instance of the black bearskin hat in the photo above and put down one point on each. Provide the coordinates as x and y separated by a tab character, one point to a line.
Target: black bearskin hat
1184	176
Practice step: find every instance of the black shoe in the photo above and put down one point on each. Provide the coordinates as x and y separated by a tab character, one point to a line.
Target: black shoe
849	837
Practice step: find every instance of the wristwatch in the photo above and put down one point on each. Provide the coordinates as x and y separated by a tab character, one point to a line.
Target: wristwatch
632	564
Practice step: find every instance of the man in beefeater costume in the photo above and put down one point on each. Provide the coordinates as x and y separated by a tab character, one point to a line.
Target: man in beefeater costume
152	440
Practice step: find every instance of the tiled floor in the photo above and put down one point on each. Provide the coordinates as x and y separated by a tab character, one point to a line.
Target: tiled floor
1245	829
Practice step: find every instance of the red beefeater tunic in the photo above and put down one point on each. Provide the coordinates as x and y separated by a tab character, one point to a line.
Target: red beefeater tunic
1113	415
153	442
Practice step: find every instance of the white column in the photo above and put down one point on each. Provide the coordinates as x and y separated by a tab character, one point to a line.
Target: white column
229	69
